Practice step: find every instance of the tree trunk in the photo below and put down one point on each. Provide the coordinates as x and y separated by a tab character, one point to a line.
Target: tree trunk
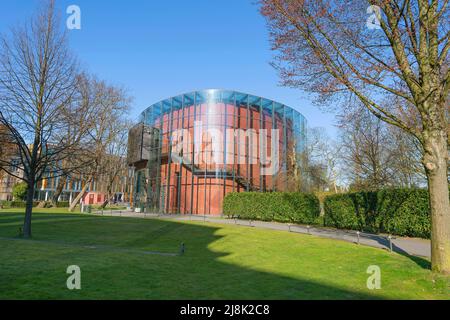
80	195
107	199
105	203
28	211
335	186
435	163
61	183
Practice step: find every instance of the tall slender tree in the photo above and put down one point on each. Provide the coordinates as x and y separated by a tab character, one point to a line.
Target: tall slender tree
37	82
377	51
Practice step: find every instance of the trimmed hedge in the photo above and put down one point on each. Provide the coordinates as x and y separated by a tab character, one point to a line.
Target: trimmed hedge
16	204
22	204
63	204
272	206
402	212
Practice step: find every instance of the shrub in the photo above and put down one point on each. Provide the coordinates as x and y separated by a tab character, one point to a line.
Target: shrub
44	204
20	191
340	212
272	206
403	212
17	204
63	204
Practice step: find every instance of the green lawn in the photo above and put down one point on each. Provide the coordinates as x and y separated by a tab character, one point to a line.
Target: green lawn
221	262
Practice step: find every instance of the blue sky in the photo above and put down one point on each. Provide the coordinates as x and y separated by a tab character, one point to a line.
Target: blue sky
157	49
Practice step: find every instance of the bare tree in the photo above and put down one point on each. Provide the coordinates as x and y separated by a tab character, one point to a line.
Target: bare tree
297	177
37	81
110	106
406	152
365	151
329	48
375	154
315	167
82	112
114	164
324	160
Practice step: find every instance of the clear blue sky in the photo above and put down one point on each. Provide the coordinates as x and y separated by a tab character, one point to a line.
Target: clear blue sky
157	49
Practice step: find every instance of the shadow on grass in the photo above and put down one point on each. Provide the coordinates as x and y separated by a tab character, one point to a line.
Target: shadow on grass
421	262
373	210
200	273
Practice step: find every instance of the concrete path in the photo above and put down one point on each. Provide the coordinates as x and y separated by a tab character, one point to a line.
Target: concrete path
409	246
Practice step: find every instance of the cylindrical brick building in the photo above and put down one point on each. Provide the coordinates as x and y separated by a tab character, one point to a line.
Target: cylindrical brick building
190	150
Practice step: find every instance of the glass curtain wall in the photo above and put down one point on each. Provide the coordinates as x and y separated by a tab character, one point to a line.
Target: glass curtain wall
228	142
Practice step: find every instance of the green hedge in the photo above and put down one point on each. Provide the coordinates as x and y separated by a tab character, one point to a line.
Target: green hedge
16	204
273	206
403	212
22	204
63	204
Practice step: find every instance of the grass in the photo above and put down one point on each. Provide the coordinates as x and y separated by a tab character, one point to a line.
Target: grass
221	262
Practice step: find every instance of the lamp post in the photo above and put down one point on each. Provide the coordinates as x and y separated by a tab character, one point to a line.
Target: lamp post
147	186
131	173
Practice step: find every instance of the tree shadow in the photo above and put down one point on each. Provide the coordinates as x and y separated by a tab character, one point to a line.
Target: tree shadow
384	241
202	272
368	207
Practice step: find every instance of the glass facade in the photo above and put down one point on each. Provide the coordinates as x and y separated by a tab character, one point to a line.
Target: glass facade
190	150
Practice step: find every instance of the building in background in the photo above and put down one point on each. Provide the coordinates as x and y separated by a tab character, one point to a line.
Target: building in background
7	183
190	150
95	194
45	189
8	155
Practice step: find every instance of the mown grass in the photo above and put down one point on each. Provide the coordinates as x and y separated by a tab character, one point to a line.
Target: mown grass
221	262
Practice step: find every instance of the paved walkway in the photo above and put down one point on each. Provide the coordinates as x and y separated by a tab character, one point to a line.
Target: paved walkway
410	246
